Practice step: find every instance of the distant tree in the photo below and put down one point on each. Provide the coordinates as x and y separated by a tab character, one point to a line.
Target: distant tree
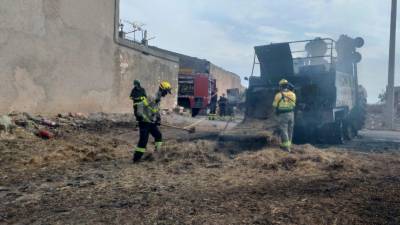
382	96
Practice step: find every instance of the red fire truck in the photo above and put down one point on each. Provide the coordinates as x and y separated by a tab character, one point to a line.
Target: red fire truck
194	91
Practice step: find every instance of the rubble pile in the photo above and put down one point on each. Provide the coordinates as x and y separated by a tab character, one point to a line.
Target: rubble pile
376	118
49	127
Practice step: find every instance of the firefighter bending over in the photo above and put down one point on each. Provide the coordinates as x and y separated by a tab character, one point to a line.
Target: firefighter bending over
148	112
284	104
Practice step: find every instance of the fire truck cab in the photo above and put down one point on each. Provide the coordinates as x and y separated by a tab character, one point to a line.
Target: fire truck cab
194	92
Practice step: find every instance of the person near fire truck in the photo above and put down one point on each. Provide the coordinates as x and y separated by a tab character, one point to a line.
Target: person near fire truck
222	105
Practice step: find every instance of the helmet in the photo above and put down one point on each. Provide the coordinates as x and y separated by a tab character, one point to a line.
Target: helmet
283	82
136	82
165	86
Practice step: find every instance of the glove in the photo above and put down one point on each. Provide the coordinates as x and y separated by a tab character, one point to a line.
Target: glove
139	118
158	121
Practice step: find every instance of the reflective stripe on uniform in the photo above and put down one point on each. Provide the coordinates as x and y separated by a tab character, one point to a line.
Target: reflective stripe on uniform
286	144
146	119
146	103
142	150
145	110
284	101
153	110
158	144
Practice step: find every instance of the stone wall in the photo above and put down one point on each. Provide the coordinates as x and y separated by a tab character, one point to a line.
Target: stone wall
63	55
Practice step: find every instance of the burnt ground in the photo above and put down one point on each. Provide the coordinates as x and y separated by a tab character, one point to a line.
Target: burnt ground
84	176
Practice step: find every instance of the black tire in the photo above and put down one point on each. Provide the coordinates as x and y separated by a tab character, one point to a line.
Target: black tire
195	111
348	131
337	135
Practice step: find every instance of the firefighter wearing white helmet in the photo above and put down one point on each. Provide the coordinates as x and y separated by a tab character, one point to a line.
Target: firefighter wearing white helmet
148	110
284	105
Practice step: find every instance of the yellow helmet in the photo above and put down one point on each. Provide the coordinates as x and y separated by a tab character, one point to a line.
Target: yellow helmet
283	82
165	85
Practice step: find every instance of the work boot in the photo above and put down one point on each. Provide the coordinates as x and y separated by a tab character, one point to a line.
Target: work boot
157	150
286	149
285	146
137	156
148	156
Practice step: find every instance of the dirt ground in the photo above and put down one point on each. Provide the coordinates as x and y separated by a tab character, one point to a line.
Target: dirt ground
84	175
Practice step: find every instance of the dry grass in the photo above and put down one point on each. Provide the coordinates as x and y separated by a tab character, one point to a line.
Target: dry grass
86	177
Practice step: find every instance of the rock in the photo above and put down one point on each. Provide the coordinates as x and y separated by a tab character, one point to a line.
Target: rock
21	122
2	188
78	115
49	123
81	115
28	199
6	124
13	113
63	115
33	118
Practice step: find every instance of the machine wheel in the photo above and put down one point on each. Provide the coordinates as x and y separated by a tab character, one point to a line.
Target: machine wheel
338	134
348	131
195	111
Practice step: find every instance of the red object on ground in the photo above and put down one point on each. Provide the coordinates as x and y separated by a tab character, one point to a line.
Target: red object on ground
45	134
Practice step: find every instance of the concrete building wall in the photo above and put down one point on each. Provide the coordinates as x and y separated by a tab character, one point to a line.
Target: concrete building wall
225	79
61	55
150	71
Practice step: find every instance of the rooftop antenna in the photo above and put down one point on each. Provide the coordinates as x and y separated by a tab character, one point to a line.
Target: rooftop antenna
137	27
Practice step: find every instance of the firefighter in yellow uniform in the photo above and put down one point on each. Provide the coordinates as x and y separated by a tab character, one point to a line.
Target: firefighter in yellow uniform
284	104
148	114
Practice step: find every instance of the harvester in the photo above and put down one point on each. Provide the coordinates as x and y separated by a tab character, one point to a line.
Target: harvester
323	72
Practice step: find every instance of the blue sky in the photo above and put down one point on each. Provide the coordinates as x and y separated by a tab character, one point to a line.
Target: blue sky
225	31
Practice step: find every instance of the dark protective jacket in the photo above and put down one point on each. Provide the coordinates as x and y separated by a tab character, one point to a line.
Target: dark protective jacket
137	93
222	100
213	103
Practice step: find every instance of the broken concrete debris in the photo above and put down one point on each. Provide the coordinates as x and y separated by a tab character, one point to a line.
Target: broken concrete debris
6	123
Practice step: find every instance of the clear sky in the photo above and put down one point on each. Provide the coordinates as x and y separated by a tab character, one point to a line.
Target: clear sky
225	31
